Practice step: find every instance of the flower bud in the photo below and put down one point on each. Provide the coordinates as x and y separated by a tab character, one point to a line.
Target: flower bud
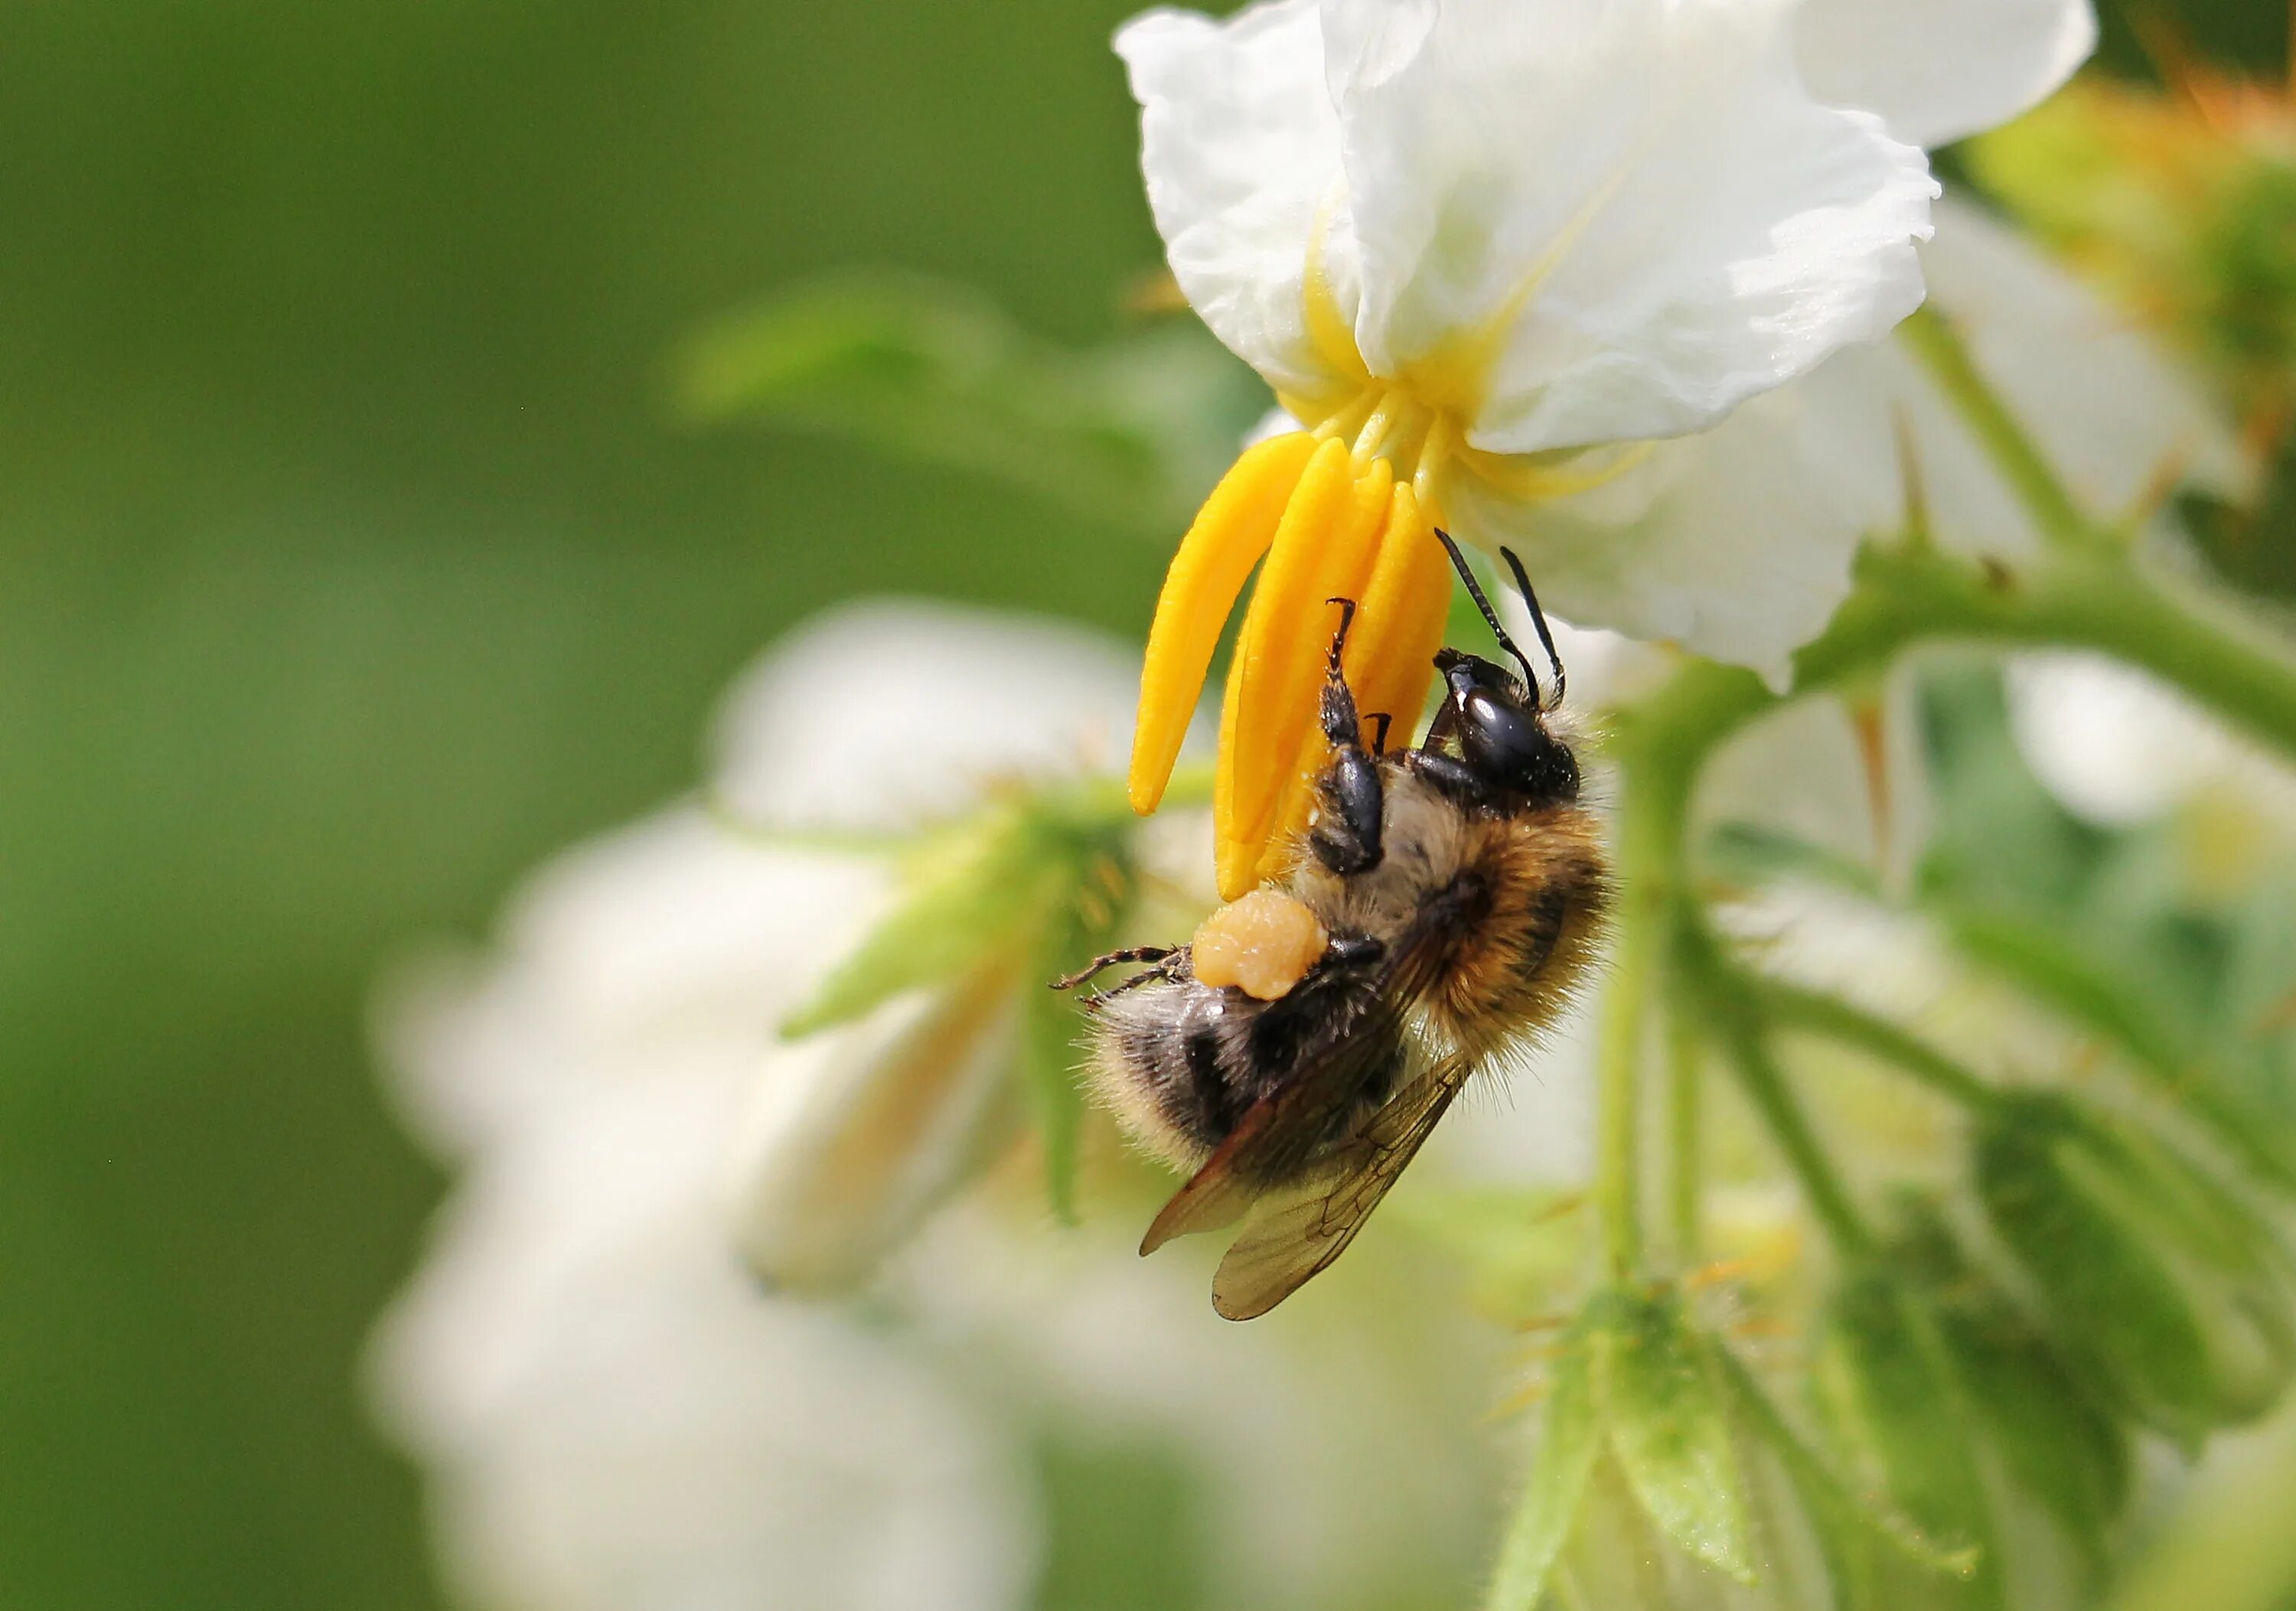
1665	1476
902	1076
1894	1409
857	1133
2157	1280
2055	1441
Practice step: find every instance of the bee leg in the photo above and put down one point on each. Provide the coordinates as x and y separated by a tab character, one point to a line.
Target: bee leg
1100	964
1346	837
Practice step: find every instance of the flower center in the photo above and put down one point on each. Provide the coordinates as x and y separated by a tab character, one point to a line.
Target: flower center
1344	509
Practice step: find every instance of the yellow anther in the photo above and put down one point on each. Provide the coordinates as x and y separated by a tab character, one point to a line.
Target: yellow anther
1325	547
1233	530
1390	656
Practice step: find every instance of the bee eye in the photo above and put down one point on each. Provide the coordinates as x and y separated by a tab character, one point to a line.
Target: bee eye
1509	748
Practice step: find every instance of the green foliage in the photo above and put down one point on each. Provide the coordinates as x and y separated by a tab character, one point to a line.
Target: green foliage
2164	1286
1043	878
1132	433
1893	1408
1668	1429
1571	1435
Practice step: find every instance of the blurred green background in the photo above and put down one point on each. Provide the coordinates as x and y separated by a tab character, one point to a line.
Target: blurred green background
351	558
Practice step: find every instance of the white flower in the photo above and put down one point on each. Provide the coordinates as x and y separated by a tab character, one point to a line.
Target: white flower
615	1415
2120	748
612	1416
1481	248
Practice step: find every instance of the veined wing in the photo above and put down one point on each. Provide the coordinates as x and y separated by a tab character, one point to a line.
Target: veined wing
1278	1139
1283	1245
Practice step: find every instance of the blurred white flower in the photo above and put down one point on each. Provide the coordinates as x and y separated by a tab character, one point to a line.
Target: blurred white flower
614	1414
1481	249
2118	747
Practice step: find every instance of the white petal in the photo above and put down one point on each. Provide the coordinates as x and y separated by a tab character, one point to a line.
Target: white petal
1939	69
1638	195
1735	544
668	942
1240	149
611	1414
883	714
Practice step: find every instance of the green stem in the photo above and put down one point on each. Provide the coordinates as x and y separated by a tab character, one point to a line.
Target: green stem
1909	595
1740	1024
1938	346
1645	833
1685	1130
1790	1006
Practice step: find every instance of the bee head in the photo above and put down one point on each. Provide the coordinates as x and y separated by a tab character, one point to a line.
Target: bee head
1502	730
1501	718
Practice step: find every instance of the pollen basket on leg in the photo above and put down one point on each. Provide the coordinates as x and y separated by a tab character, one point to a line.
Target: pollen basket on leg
1230	533
1323	549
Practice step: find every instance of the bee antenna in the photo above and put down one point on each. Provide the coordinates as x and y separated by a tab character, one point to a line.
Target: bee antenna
1537	619
1490	616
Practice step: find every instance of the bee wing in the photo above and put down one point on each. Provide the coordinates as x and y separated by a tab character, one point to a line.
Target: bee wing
1283	1247
1281	1129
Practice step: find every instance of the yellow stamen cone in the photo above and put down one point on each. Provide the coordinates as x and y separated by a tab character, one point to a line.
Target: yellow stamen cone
1233	530
1325	547
1389	659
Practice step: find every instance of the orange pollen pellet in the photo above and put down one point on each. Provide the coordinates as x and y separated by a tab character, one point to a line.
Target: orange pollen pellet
1263	944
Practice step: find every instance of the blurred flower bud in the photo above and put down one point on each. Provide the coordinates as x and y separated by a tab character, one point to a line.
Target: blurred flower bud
1665	1476
2056	1442
2157	1279
857	1133
1894	1409
896	1080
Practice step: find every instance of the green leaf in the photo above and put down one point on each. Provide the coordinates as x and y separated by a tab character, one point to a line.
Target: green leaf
1134	433
1849	1526
1669	1431
1887	1393
2110	1296
1549	1506
2056	1441
970	889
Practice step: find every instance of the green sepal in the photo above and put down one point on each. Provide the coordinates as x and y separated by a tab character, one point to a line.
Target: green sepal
2056	1437
1888	1396
1569	1436
1669	1431
2109	1293
970	889
1858	1536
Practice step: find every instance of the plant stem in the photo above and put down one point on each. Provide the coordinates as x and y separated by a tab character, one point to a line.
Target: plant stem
1685	1130
1794	1007
1937	345
1646	836
1740	1026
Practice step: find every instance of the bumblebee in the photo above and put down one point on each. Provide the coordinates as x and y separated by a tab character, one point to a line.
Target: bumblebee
1439	911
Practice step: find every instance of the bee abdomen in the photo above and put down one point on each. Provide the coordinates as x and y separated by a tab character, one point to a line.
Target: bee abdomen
1181	1062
